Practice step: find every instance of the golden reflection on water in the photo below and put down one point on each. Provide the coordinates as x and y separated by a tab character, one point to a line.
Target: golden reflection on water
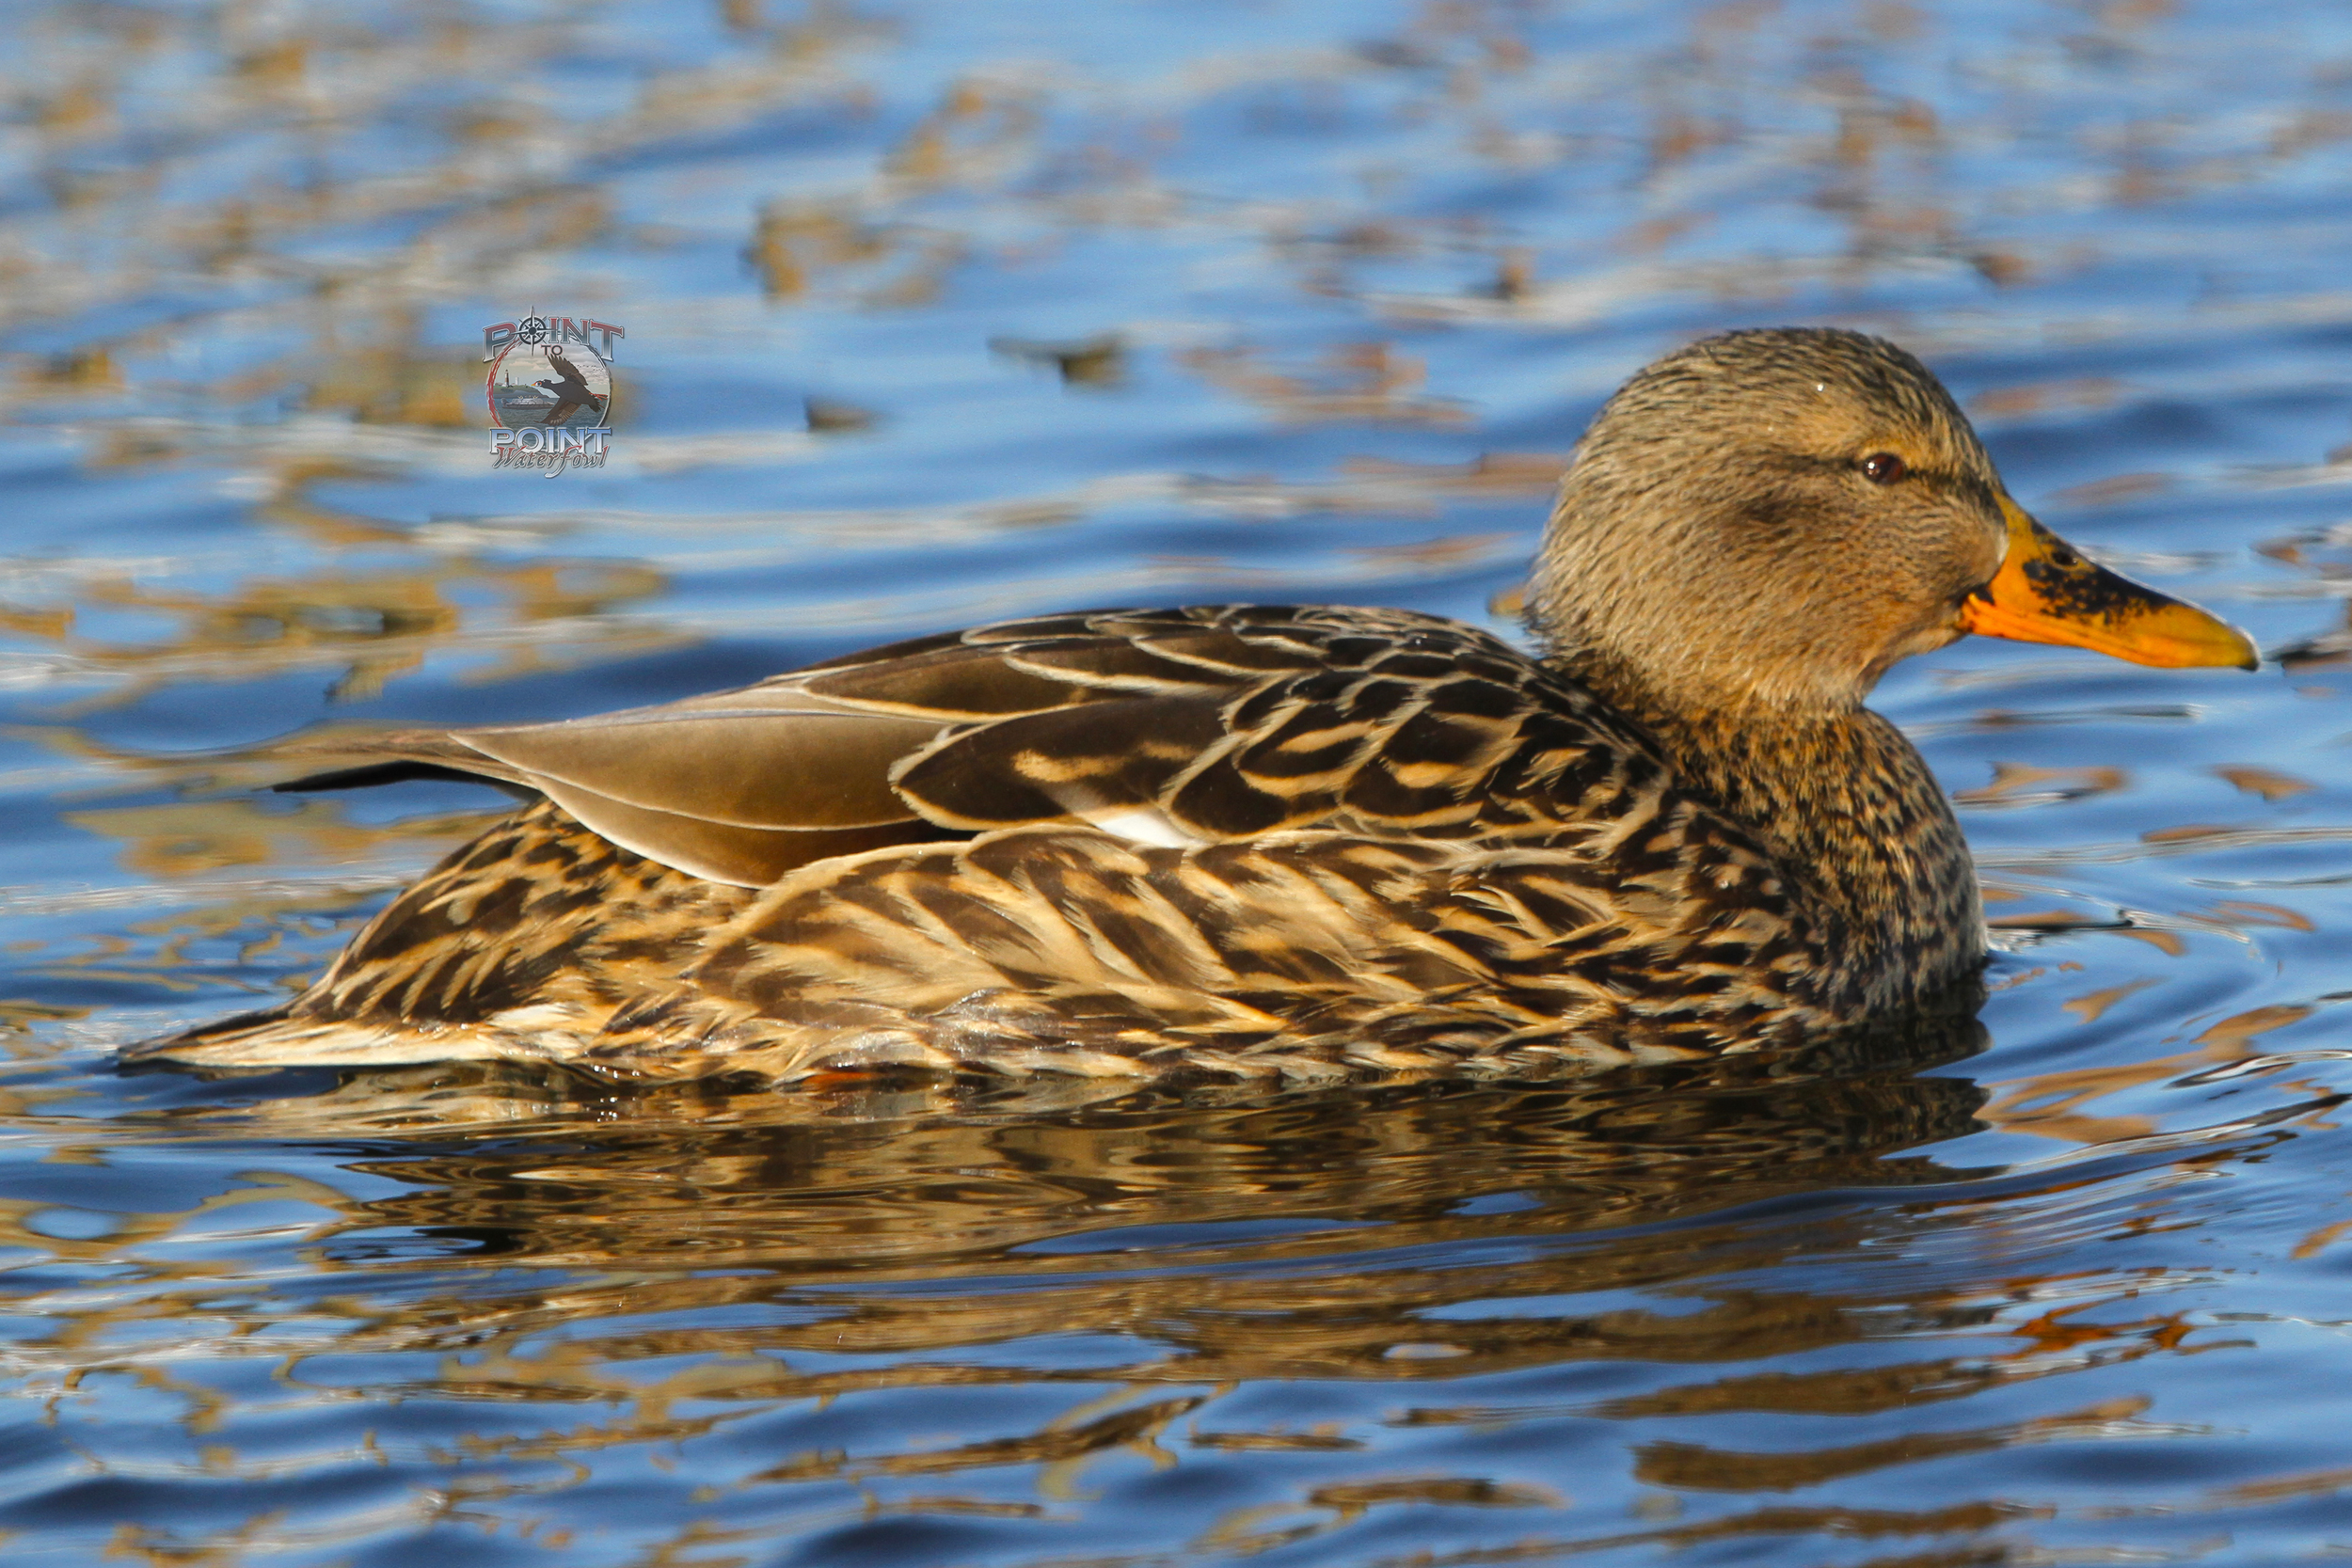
244	237
497	190
605	1265
1020	1226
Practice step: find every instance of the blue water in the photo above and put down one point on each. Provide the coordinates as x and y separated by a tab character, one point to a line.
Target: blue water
940	313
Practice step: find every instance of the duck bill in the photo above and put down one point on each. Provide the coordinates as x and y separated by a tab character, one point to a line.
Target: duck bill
2046	592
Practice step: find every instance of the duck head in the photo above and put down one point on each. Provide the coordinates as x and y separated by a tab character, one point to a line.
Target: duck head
1771	519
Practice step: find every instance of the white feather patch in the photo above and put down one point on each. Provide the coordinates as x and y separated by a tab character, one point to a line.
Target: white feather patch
1142	825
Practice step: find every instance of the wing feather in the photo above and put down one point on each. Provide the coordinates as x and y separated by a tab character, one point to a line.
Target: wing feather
962	682
1168	727
740	767
1070	763
723	852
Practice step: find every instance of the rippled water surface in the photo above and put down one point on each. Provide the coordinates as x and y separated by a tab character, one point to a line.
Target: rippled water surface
941	311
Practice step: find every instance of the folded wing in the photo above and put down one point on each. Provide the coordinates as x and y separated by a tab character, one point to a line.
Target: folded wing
1201	725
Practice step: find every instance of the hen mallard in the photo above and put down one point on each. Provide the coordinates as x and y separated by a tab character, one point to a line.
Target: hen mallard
1266	842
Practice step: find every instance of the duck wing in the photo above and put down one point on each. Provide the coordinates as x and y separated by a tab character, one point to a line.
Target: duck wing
1166	727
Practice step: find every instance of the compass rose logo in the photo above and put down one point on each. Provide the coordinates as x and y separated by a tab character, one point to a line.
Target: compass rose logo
550	391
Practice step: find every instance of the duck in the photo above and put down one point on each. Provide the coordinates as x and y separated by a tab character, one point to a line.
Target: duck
1285	843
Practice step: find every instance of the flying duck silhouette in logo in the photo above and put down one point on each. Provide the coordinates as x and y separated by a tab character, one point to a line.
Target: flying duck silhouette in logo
570	388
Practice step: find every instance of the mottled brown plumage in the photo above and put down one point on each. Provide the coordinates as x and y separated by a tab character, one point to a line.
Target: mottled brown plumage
1283	843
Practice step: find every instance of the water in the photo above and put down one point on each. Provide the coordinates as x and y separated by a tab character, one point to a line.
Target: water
938	312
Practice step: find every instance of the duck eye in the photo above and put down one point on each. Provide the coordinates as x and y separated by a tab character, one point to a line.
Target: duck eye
1883	468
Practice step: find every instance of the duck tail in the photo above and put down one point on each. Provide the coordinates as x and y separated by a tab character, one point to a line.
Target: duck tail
279	1037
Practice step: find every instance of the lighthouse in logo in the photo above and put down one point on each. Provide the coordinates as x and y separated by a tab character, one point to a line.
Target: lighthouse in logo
550	392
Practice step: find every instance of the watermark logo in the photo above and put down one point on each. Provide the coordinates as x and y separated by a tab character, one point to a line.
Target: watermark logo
550	392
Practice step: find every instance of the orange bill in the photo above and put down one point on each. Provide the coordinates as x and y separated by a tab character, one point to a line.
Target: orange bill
2046	592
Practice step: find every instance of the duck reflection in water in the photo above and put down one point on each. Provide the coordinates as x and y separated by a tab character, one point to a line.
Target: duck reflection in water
1256	843
712	1252
680	1183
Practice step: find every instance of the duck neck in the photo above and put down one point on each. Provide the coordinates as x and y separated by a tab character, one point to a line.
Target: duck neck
1848	807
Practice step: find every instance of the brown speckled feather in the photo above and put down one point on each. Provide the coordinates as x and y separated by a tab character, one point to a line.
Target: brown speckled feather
1336	841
